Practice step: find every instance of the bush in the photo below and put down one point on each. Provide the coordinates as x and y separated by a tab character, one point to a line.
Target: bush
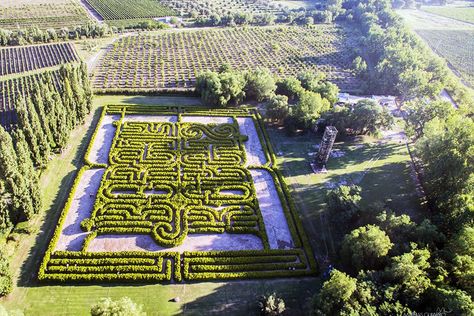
271	305
6	282
122	307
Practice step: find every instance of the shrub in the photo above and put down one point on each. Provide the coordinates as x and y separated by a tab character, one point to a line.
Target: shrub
6	282
123	307
271	305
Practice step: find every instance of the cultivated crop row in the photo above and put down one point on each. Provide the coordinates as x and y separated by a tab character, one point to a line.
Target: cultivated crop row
27	58
129	9
174	59
47	15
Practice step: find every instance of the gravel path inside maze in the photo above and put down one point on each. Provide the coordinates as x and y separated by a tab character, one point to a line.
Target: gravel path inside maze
276	227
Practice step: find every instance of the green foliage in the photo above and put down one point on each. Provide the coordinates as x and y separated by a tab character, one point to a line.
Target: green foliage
260	84
447	152
365	247
6	282
409	275
344	202
420	112
271	305
277	107
343	295
122	307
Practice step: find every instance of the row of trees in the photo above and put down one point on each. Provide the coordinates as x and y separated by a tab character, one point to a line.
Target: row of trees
34	35
46	115
298	102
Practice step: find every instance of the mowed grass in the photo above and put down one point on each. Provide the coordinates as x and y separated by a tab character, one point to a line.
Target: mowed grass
465	14
382	170
216	298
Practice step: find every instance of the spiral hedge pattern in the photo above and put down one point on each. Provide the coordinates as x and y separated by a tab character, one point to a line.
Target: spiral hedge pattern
171	179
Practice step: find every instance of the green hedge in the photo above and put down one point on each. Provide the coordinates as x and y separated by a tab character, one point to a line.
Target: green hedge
122	207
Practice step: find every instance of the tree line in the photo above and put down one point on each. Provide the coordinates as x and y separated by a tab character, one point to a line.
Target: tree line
34	35
387	263
46	113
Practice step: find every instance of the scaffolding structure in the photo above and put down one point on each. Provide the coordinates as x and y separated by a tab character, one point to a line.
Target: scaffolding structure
325	148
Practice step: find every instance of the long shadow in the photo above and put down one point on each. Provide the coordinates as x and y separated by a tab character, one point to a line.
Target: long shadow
29	268
241	297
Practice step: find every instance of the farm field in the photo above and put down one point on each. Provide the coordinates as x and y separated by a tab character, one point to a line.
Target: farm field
23	68
129	9
42	13
451	39
173	59
224	7
27	58
239	222
465	14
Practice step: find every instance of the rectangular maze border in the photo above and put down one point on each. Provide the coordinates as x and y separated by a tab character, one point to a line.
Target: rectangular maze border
153	267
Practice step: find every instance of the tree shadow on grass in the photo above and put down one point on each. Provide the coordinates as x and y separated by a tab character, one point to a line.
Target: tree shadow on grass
241	297
30	266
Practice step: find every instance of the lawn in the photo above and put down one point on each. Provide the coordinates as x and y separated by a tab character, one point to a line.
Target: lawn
465	14
382	170
387	179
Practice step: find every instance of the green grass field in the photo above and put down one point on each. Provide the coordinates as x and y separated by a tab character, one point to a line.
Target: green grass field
465	14
382	169
451	39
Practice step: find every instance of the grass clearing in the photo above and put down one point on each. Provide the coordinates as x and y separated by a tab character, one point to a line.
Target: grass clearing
465	14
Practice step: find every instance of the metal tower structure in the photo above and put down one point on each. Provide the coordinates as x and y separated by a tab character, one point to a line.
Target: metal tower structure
325	148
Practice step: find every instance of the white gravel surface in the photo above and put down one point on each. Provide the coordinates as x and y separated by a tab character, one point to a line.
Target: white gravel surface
193	242
72	236
253	148
99	152
279	235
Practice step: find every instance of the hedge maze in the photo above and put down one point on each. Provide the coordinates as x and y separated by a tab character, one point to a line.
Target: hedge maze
169	180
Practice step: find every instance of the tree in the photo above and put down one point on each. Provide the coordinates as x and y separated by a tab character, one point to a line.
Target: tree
232	88
408	273
450	299
31	202
271	305
447	152
421	111
5	204
277	107
13	182
343	295
365	247
309	108
360	67
24	124
208	85
290	86
6	282
344	203
260	84
123	307
368	117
